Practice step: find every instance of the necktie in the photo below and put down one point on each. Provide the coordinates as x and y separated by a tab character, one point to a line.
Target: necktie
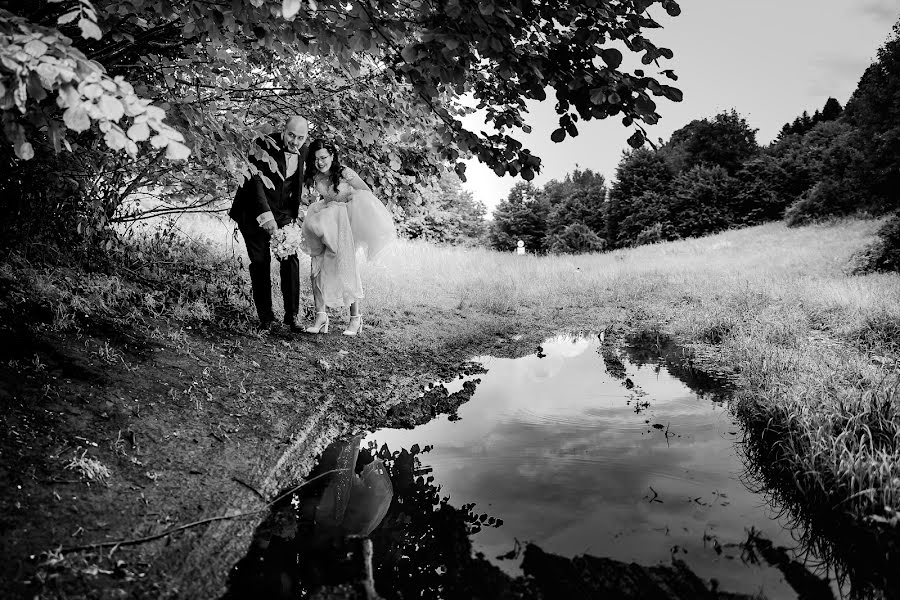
290	164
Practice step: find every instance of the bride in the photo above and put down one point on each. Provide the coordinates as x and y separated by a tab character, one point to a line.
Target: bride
347	218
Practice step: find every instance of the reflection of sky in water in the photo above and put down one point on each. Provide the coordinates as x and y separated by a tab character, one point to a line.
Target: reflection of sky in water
551	446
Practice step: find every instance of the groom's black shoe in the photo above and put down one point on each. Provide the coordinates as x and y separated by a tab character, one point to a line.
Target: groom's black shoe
270	326
294	324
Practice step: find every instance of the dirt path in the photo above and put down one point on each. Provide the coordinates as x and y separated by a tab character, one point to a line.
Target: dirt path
190	425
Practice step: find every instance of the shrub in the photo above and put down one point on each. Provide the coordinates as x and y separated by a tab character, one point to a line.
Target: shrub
883	254
655	233
645	211
825	199
576	238
763	191
702	202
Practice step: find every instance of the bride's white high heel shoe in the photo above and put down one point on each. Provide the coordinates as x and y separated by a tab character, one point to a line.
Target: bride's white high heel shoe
350	330
322	328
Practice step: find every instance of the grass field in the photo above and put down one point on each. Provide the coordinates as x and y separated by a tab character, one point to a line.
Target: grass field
816	348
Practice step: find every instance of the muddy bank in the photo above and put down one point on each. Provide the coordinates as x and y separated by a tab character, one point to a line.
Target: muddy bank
113	435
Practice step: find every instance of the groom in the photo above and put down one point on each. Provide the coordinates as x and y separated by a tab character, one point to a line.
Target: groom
260	210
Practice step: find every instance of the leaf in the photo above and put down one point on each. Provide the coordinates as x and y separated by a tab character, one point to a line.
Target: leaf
91	91
76	118
139	132
409	53
177	151
36	48
68	17
453	9
611	57
673	94
558	135
644	104
460	169
115	138
35	88
24	150
48	73
672	8
636	140
68	96
289	8
160	141
89	29
57	134
111	107
172	134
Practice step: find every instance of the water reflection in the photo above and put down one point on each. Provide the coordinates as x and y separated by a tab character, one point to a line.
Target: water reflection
318	536
553	444
542	465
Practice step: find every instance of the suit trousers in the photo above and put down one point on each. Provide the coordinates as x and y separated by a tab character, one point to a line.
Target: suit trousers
257	241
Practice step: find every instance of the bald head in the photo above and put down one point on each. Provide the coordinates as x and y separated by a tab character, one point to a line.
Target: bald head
295	133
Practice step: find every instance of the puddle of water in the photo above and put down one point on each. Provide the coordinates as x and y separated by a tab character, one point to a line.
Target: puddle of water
580	449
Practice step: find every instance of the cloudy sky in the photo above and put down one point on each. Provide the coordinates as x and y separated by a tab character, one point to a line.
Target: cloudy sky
768	59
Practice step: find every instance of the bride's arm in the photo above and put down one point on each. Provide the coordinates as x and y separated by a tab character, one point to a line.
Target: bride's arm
355	181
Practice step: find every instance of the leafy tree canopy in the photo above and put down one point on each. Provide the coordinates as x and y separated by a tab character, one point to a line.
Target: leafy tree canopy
448	214
578	198
522	216
802	124
727	140
384	78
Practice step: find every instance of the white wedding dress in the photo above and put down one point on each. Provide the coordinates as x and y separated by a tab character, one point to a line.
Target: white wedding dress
344	221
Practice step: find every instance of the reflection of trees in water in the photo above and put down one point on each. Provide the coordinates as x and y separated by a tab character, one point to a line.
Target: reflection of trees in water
423	547
659	350
865	555
435	401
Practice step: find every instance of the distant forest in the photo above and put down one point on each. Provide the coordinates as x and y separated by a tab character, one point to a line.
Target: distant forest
712	175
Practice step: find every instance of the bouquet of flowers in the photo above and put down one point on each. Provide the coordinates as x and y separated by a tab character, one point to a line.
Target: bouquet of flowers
286	241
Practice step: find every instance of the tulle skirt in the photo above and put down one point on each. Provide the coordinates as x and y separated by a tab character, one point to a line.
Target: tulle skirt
332	232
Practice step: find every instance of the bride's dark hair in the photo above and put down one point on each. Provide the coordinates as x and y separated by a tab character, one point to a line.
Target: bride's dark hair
334	173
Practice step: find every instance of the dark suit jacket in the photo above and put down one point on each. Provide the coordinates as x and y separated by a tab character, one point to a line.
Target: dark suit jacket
253	198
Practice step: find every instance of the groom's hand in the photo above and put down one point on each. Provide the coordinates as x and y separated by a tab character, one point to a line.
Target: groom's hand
270	226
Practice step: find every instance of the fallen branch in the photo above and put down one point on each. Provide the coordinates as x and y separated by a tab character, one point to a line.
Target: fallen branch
249	487
150	538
